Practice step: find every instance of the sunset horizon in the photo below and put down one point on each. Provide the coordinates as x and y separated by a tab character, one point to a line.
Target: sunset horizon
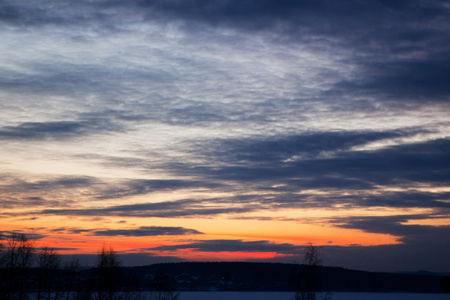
226	131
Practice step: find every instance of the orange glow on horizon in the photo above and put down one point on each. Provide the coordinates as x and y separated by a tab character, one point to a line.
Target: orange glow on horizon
193	255
79	234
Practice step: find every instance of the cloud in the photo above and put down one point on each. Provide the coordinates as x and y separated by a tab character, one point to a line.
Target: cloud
16	185
400	49
308	145
16	192
141	187
41	13
168	209
404	199
422	248
418	246
140	231
422	162
347	177
9	202
233	246
41	130
30	236
405	80
58	129
395	225
67	76
147	231
71	230
56	192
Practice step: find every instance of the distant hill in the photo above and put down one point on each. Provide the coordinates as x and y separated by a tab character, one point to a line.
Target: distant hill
243	276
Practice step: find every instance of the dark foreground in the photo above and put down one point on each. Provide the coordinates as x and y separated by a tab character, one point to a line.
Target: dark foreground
236	276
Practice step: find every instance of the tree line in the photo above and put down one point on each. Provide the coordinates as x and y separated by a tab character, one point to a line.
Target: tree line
29	272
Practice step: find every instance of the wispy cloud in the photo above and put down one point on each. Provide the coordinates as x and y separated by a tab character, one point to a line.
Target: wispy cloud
147	231
169	209
58	129
140	231
234	246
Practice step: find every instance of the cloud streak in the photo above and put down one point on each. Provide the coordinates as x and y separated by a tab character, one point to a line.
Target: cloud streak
136	232
233	246
147	231
58	129
168	209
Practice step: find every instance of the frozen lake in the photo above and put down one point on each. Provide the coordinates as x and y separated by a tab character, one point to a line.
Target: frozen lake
289	296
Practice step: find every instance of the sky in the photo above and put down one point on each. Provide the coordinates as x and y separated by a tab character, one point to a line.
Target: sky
194	130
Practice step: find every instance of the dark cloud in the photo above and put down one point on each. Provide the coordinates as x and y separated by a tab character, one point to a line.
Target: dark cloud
142	187
408	164
233	246
43	13
421	248
147	231
387	27
423	80
305	145
253	14
405	199
64	182
169	209
334	197
11	201
411	234
58	248
262	14
41	130
31	236
57	129
141	231
70	230
401	48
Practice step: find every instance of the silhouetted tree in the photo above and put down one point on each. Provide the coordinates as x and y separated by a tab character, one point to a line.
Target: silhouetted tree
108	273
309	283
49	283
72	284
2	271
16	259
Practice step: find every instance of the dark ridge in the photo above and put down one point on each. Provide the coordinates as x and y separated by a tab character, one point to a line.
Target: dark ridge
244	276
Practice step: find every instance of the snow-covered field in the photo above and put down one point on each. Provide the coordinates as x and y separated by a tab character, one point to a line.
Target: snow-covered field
289	296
